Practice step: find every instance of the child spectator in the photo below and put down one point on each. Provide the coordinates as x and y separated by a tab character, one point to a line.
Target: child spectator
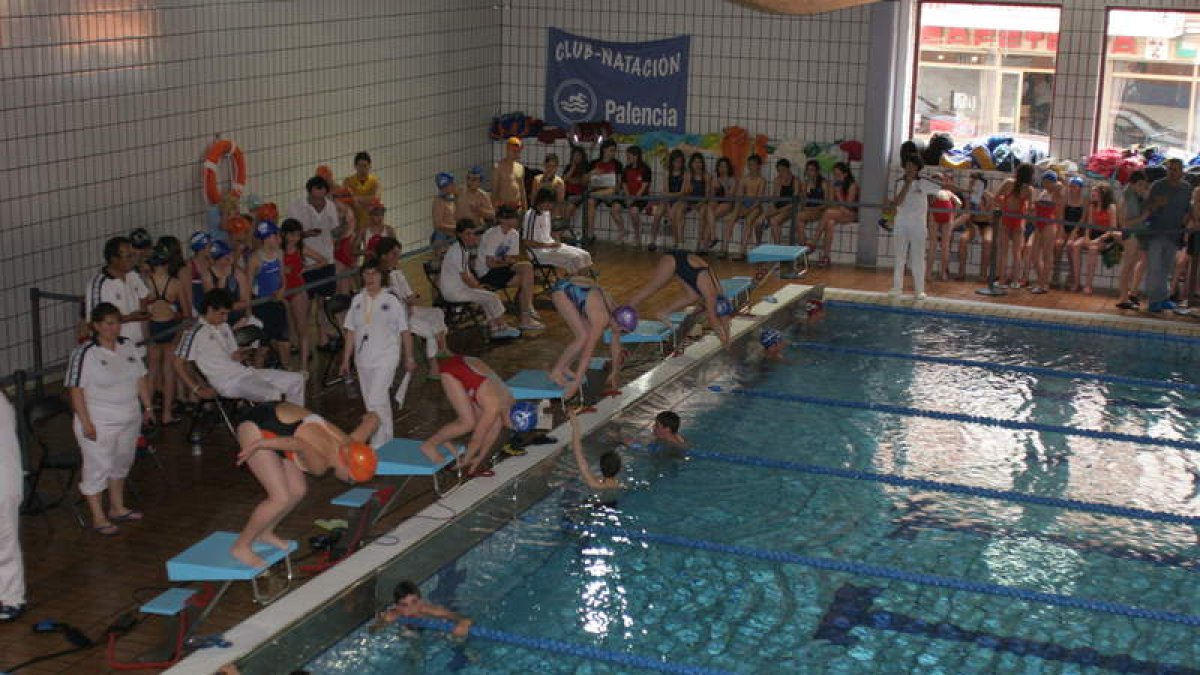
445	214
699	188
787	186
603	178
296	260
635	183
749	209
724	184
666	208
363	186
474	202
508	178
845	192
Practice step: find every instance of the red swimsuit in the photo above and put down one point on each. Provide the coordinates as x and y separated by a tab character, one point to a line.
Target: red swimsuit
456	366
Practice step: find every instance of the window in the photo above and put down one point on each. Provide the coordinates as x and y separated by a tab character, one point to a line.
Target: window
985	69
1151	92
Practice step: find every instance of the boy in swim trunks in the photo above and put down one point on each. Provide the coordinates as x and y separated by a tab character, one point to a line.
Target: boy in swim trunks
474	202
508	178
444	214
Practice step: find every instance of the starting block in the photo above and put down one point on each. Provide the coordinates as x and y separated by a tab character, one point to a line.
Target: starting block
402	458
210	560
533	385
774	253
737	289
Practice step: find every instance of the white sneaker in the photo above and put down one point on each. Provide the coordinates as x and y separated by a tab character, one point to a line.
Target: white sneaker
531	323
506	333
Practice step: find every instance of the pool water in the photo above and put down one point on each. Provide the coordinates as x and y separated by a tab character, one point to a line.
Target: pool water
690	595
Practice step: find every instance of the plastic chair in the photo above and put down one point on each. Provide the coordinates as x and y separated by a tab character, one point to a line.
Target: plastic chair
40	415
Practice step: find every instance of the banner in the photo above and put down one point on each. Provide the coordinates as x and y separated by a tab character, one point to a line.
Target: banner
636	86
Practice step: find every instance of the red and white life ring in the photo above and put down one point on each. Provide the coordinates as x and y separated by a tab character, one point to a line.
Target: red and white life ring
216	152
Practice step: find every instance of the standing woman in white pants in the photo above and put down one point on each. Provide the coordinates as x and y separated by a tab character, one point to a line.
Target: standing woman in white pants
427	322
12	488
376	328
106	378
912	211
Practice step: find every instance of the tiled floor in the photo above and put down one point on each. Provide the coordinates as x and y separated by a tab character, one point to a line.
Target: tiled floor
77	577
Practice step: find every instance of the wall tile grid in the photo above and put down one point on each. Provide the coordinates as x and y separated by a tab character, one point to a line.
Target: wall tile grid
107	109
797	78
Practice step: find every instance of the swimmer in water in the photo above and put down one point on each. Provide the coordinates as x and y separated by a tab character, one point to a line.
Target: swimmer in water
610	462
773	344
407	602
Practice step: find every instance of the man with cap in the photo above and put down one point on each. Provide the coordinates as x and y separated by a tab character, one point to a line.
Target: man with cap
508	178
210	344
120	284
474	202
458	284
498	264
445	210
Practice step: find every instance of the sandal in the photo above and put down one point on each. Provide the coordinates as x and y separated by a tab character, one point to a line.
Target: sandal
108	530
130	516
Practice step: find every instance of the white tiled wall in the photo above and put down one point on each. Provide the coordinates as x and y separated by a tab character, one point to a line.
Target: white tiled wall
106	108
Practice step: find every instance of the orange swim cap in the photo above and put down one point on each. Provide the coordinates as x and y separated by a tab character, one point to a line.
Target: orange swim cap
237	225
325	172
360	460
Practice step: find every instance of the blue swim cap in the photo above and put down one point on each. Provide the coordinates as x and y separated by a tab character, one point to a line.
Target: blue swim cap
523	416
1050	176
265	229
1076	181
724	306
200	241
220	249
443	179
475	171
769	338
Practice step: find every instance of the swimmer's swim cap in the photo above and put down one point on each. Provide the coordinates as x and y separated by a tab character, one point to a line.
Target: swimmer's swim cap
1076	181
443	179
626	317
523	416
360	460
220	249
769	338
265	229
199	241
724	306
1050	176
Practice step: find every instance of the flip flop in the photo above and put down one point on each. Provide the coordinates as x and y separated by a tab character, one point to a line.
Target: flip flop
108	530
130	516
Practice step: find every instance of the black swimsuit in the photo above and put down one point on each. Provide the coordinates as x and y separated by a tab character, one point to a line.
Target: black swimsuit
265	417
788	190
163	332
1071	216
686	273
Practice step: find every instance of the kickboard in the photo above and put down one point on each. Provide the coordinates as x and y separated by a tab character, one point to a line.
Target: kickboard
403	457
210	560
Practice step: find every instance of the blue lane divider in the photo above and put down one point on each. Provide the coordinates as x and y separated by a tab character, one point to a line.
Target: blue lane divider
1023	323
566	648
961	417
881	572
953	488
988	365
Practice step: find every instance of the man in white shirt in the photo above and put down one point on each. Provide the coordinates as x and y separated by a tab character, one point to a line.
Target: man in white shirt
210	344
498	264
118	283
458	284
318	214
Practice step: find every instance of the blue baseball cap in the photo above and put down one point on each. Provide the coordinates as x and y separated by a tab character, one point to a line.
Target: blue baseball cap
220	249
265	229
443	179
199	241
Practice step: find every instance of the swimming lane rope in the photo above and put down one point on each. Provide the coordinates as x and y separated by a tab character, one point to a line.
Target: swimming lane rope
881	572
961	417
941	486
988	365
566	648
1008	321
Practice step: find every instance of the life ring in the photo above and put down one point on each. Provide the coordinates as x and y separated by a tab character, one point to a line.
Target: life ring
217	151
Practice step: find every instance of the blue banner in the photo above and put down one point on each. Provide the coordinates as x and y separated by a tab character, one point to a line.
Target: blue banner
636	86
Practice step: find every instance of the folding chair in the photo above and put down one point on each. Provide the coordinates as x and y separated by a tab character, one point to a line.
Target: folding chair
338	304
206	413
544	274
41	414
459	315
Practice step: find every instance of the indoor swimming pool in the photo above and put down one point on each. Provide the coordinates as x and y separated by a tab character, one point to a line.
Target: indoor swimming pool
908	492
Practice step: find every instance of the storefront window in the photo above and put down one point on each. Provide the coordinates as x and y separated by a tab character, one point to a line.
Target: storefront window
985	69
1152	82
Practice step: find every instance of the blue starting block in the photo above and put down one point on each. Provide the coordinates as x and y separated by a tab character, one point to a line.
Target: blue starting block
210	560
402	458
354	498
647	332
168	603
533	385
737	289
774	253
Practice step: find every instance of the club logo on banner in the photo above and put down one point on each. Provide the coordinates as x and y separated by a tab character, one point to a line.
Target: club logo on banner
636	86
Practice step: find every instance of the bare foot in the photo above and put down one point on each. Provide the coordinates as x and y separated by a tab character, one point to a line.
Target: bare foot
272	539
558	378
431	452
248	557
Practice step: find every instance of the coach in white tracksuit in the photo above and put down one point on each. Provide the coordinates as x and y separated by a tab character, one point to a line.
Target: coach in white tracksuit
376	330
911	230
12	481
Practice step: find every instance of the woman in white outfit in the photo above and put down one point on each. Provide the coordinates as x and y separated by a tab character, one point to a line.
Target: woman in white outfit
538	238
427	322
376	334
12	488
911	231
106	378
